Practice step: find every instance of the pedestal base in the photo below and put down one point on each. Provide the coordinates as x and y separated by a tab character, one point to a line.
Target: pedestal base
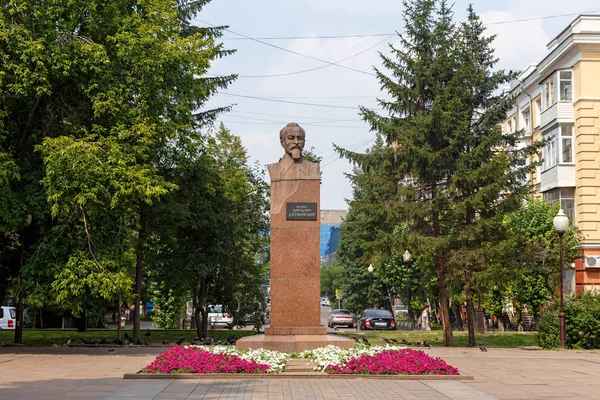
296	330
293	343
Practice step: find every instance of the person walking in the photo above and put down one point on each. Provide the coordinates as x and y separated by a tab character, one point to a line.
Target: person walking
425	319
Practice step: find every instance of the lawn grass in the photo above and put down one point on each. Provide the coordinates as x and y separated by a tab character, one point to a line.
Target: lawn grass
461	338
54	338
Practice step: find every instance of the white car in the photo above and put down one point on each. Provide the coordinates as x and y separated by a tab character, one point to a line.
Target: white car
217	315
325	301
8	317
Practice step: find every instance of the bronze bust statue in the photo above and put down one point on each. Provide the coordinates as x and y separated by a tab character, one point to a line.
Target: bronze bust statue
293	165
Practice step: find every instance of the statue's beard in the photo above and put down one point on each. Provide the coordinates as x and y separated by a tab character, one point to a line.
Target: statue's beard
296	153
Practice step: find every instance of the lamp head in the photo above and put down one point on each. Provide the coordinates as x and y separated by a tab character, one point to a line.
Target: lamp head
406	256
561	222
370	269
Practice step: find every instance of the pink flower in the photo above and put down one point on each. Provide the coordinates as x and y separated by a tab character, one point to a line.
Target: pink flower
394	362
179	359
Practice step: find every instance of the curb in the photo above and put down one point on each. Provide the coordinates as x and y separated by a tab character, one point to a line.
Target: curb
300	375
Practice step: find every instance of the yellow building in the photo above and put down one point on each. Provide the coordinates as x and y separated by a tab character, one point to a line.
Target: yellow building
559	99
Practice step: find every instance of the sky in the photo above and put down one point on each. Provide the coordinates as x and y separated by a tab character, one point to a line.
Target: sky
274	86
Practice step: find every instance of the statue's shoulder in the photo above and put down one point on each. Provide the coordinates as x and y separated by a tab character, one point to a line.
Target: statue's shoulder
274	171
314	169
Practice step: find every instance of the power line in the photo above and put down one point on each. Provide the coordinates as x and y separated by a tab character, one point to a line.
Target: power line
304	122
321	97
351	36
314	37
295	102
536	18
298	117
353	147
282	122
316	68
292	51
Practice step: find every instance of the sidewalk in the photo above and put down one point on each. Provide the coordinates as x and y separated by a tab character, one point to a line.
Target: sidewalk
90	373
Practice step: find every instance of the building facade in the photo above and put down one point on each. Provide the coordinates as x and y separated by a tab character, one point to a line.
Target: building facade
331	223
559	99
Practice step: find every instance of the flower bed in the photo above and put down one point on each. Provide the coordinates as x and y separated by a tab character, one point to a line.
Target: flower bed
394	362
373	360
200	360
380	360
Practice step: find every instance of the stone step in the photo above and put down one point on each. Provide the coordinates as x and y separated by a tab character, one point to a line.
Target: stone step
299	365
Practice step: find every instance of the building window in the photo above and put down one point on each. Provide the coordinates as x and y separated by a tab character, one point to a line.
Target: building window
509	126
559	146
526	119
566	85
566	144
538	111
566	197
548	96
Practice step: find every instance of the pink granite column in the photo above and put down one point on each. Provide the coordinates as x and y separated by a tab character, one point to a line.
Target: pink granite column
295	260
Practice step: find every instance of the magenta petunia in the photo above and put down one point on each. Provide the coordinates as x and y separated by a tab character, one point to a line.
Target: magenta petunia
179	359
394	362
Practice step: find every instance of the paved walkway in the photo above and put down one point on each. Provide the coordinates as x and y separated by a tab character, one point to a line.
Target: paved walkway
84	373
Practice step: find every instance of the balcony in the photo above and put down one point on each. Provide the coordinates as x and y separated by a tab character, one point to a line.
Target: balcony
561	175
561	111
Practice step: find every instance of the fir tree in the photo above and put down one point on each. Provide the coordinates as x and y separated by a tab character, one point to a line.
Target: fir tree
457	173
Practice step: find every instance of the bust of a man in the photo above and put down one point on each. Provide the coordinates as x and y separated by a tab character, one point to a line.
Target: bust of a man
293	165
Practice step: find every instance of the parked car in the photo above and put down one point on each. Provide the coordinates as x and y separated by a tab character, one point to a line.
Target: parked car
325	301
340	317
376	319
401	311
218	315
8	317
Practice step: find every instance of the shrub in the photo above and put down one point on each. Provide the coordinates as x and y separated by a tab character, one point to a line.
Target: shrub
582	323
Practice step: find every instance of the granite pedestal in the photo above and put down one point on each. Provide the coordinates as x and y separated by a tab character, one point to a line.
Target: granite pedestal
295	316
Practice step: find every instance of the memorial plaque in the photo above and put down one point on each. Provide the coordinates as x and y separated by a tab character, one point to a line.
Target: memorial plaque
301	211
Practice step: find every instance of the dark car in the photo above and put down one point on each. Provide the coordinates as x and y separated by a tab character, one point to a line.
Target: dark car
376	319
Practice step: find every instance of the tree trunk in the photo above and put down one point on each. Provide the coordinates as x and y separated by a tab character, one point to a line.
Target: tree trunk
470	316
139	263
200	312
441	278
119	319
444	301
501	323
19	322
82	321
458	315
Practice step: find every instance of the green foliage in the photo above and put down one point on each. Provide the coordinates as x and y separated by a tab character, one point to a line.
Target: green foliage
170	313
582	323
442	175
95	100
331	279
534	263
211	233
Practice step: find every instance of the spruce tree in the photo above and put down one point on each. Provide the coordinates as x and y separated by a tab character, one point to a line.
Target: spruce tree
456	173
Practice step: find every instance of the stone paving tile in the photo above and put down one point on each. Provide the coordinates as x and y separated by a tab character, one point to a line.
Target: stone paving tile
457	390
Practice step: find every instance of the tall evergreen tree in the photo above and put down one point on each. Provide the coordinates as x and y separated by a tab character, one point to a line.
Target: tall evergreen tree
452	161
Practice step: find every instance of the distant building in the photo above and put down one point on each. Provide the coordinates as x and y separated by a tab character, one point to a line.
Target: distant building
558	99
331	223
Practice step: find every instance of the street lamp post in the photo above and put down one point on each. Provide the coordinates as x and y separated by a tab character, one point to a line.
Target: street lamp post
370	269
407	257
561	223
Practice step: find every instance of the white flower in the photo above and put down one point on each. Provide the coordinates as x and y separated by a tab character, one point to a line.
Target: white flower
332	355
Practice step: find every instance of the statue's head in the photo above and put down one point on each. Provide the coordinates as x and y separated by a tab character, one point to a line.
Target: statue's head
291	138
